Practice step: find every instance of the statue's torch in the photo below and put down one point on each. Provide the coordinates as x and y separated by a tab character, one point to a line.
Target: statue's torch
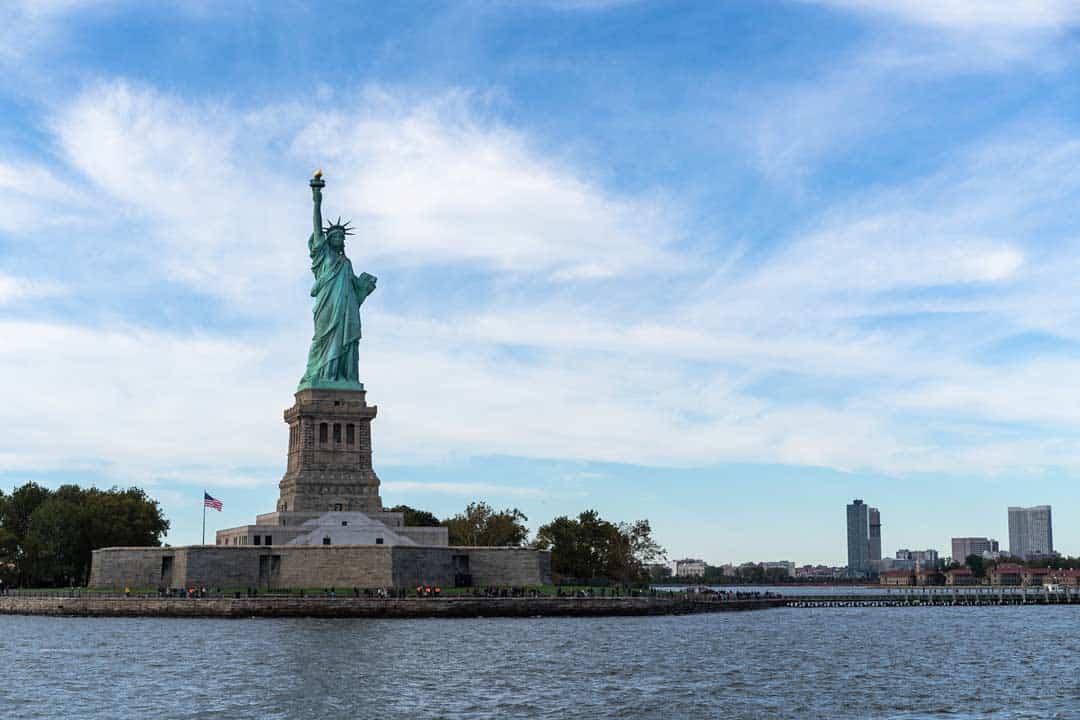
317	181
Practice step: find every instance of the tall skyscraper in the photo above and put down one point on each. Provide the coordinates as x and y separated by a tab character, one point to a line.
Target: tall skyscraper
858	538
1030	531
875	535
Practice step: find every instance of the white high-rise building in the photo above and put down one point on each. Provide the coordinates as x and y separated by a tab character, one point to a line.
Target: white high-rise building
1031	532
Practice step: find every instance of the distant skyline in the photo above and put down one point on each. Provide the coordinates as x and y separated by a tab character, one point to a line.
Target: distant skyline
725	266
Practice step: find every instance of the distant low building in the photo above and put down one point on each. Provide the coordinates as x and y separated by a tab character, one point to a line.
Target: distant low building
688	567
929	577
1036	576
897	578
1068	578
786	565
1006	574
818	572
960	576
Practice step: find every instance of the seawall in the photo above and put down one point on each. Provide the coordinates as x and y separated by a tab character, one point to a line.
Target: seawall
348	607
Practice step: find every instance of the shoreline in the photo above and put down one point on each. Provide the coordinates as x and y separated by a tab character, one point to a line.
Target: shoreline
348	607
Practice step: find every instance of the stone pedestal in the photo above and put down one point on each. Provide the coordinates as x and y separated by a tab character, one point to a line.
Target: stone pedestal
329	454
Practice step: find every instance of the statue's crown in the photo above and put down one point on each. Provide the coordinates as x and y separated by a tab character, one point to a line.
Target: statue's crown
342	226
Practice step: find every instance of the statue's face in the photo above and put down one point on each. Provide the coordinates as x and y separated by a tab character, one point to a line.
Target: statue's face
337	240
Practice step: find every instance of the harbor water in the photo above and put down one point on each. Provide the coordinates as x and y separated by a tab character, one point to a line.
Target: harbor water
899	663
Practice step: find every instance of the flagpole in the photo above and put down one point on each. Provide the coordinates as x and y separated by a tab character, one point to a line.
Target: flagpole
204	518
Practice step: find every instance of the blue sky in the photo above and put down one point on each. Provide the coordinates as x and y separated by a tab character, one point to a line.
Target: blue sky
722	265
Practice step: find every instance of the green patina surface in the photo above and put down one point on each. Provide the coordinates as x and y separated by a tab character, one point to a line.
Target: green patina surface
333	359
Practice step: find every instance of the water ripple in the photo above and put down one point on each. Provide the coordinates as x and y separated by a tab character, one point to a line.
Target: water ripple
1006	663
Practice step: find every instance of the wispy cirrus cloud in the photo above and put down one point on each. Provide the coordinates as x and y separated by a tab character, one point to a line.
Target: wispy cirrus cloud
15	289
970	35
438	186
1018	15
424	181
26	25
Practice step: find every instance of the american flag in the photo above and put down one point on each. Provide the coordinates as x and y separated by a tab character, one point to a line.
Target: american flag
211	502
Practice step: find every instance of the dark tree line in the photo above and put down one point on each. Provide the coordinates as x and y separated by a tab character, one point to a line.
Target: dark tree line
588	548
47	536
746	574
585	549
479	525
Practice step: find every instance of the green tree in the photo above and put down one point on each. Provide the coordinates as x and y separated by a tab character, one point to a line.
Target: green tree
9	545
643	548
120	518
750	573
416	518
659	573
55	540
481	525
15	520
49	536
21	504
589	548
976	564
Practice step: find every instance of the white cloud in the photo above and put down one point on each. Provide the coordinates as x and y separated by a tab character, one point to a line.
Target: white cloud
425	182
872	89
13	289
972	14
141	401
194	196
431	182
790	128
26	25
33	200
186	409
992	217
680	375
948	37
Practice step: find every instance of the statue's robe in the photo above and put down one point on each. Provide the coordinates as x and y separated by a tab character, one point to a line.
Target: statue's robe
334	355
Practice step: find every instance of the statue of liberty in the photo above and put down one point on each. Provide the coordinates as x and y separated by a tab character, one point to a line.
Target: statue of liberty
333	360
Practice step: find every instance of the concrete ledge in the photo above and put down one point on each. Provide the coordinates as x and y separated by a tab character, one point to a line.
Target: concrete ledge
370	608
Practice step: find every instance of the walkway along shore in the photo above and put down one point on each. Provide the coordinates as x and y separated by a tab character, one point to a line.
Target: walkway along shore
351	607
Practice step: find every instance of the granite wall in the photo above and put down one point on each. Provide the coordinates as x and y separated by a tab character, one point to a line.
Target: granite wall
316	566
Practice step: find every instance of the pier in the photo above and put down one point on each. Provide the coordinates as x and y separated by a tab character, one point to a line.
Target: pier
937	597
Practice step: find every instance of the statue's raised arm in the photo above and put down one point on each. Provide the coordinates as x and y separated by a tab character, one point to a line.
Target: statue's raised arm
317	184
